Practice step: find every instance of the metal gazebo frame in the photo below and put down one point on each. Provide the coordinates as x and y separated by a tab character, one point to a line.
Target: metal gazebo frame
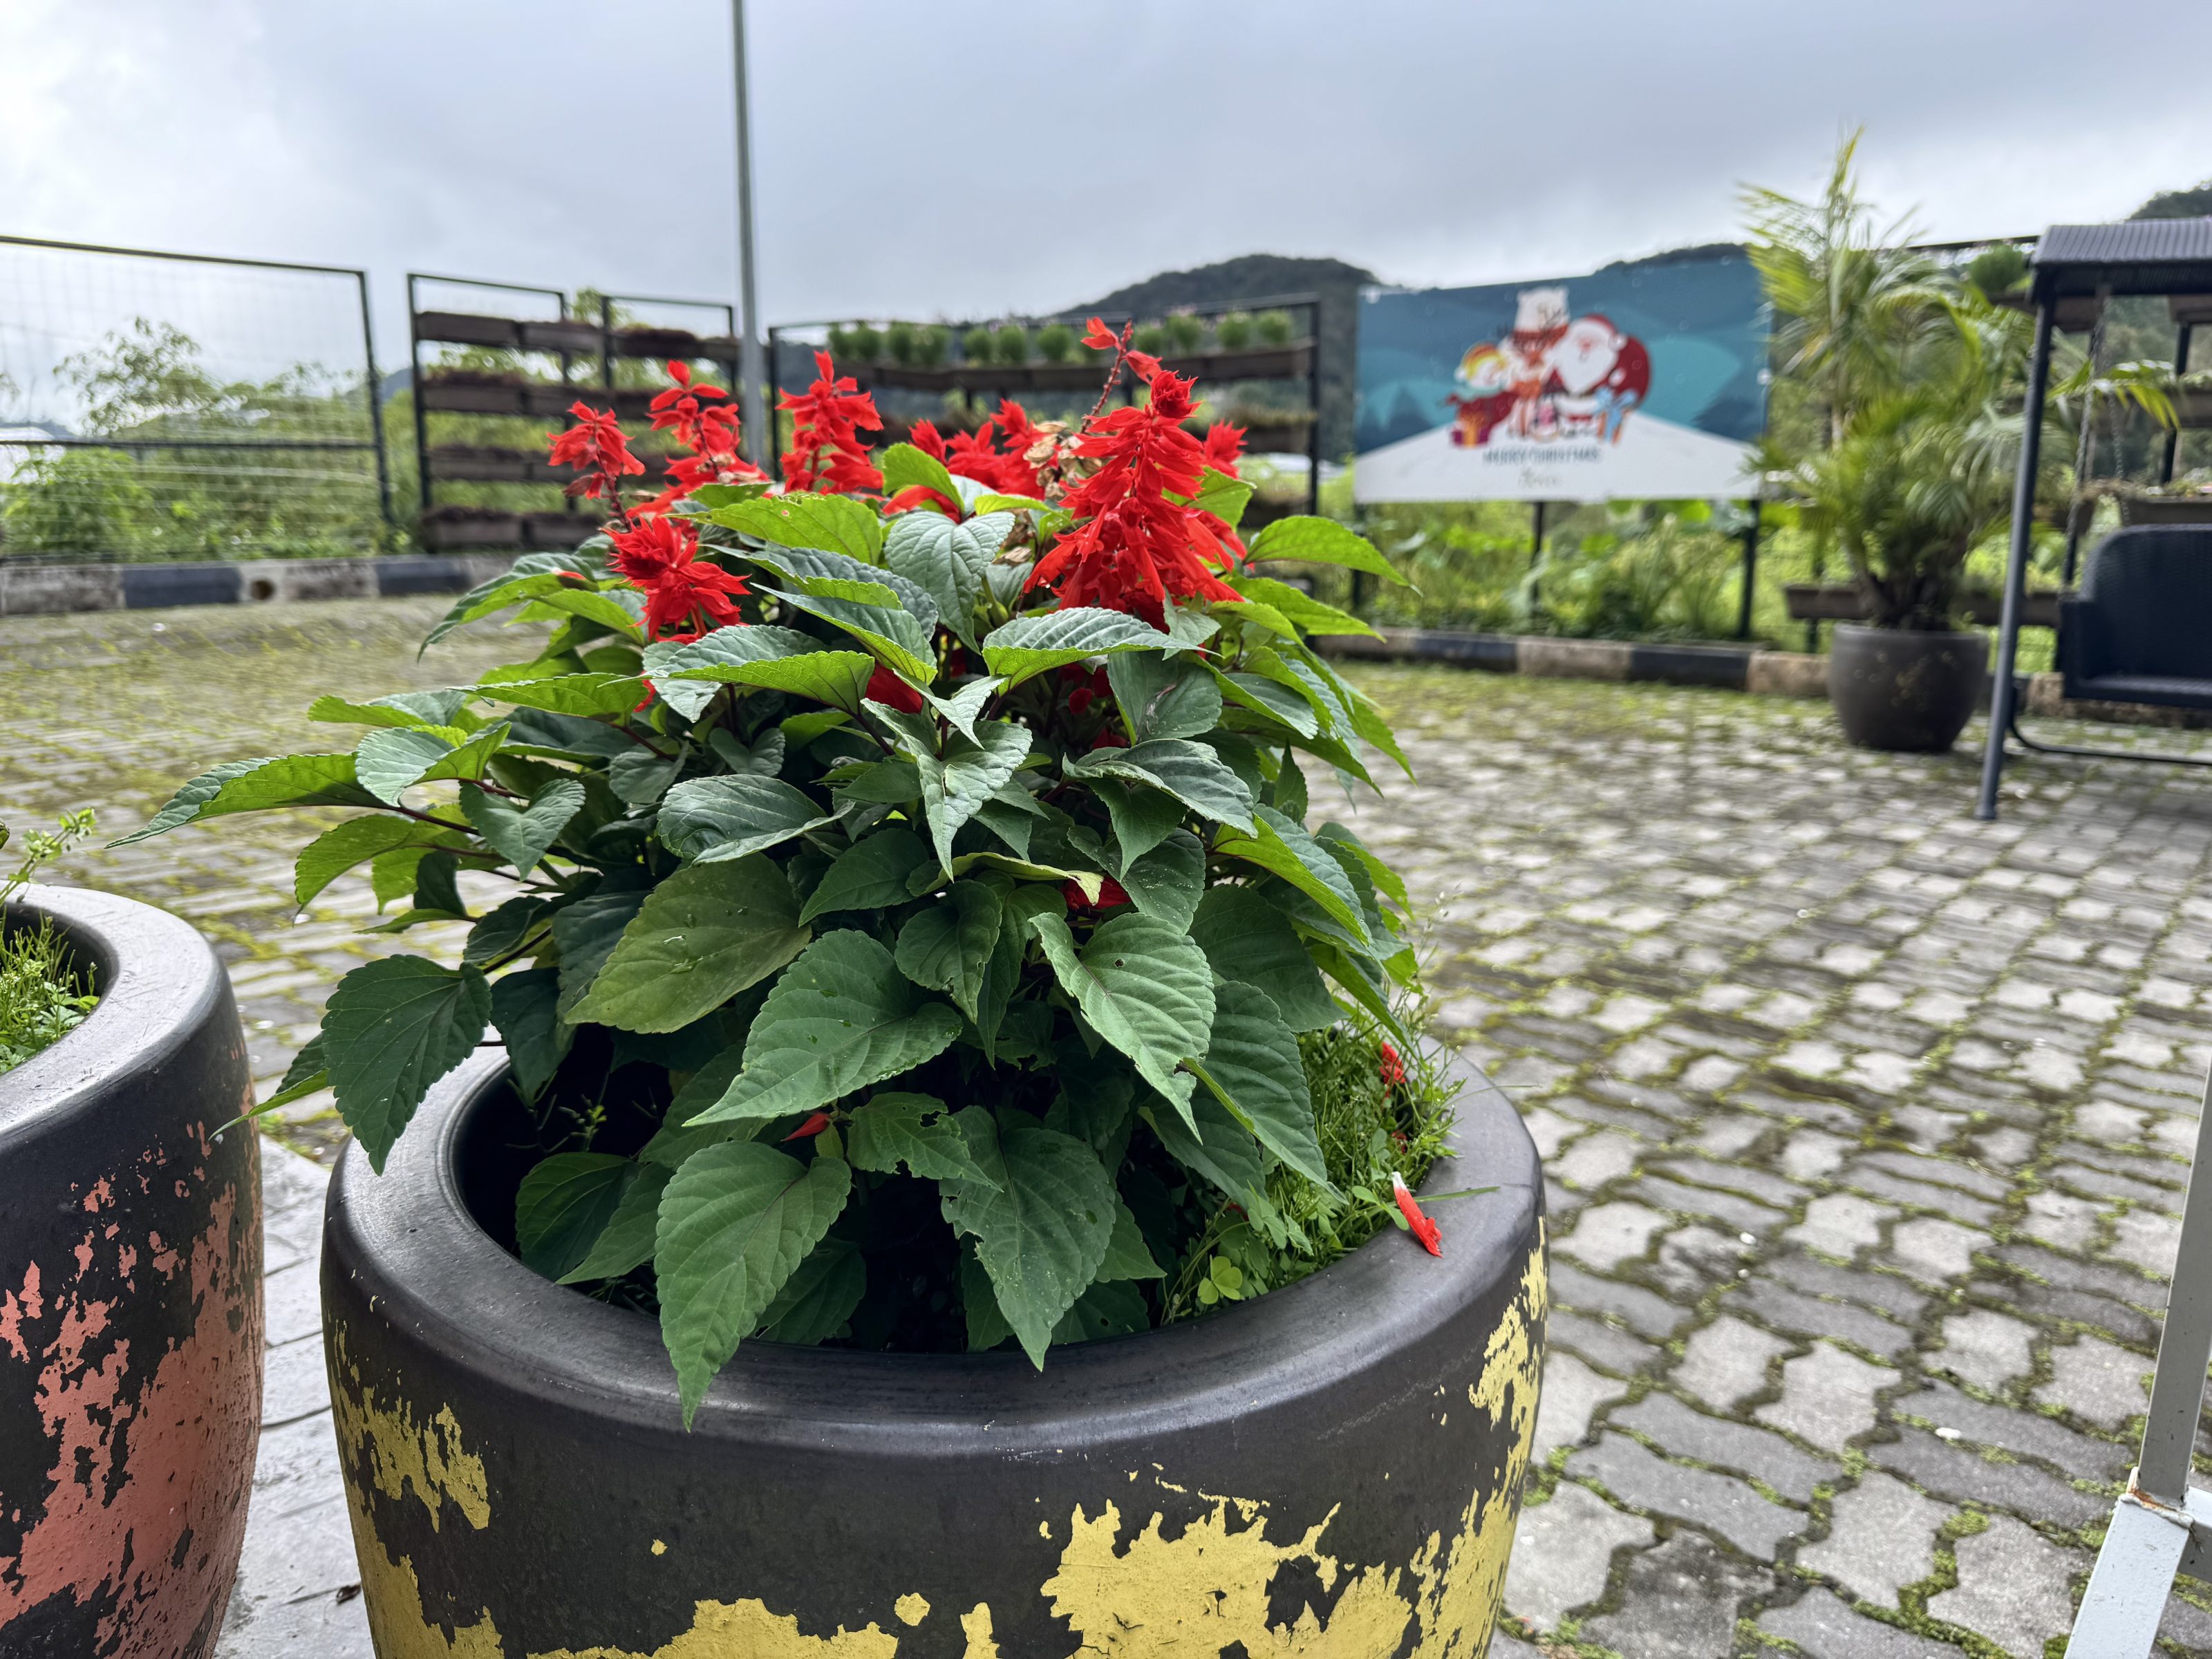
2075	270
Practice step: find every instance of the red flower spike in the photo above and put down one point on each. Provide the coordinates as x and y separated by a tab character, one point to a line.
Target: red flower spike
1393	1066
888	689
921	495
1098	336
927	438
826	451
813	1126
1225	444
1110	895
1424	1229
595	447
659	557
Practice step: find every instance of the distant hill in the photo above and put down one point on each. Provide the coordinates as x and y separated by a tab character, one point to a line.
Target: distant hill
1259	276
2177	203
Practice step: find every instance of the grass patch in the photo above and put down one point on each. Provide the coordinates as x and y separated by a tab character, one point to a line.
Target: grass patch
42	998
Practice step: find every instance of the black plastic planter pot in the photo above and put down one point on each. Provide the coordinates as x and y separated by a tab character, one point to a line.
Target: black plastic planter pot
1899	689
130	1301
1334	1469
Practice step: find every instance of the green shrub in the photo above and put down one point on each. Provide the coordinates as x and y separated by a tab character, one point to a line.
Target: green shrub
1011	344
1152	338
1234	331
841	343
975	344
867	343
1055	342
1185	333
900	340
43	997
1275	328
80	501
931	345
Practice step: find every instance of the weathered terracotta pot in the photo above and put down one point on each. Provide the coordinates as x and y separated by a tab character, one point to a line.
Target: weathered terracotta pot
1334	1469
130	1301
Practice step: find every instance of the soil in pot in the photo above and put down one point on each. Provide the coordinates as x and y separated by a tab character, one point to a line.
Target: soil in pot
1903	690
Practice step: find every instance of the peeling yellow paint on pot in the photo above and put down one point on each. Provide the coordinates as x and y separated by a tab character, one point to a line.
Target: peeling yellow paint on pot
397	1625
429	1458
747	1630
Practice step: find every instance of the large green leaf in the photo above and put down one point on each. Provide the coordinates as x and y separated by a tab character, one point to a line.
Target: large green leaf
1253	1065
819	1298
255	785
1216	1146
581	695
707	820
1163	696
390	763
1249	940
957	783
1189	771
393	1028
1127	1255
735	1222
565	1204
704	934
526	1008
1143	986
528	577
1142	816
1366	721
915	1132
1042	1224
766	658
947	945
1168	881
842	1016
403	709
947	560
895	635
1283	848
869	875
585	933
801	519
1052	639
905	467
626	1242
1276	701
1322	541
334	852
521	834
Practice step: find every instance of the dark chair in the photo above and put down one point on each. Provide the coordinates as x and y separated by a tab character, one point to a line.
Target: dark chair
2141	629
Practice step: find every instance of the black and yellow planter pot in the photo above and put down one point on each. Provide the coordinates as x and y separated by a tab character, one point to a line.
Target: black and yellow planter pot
130	1300
1333	1469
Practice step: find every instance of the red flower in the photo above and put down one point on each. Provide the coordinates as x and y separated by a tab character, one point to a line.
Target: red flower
1224	444
826	451
690	471
927	438
813	1126
1110	895
595	447
1099	338
888	689
1424	1229
1393	1067
698	414
1136	549
661	559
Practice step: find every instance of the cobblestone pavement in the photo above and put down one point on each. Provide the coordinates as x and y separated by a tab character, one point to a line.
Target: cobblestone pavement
1867	1124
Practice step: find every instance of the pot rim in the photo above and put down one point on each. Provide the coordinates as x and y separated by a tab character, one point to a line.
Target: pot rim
414	1253
157	981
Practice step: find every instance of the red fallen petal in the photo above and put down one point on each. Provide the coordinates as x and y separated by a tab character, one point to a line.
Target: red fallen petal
813	1126
1424	1229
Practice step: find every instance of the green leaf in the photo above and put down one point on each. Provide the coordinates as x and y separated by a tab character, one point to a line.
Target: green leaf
735	1222
913	1131
986	1325
800	730
626	1242
1168	881
1127	1255
521	834
676	1138
1042	1224
945	560
869	875
968	774
1218	1148
406	709
1162	696
1278	702
1250	941
894	636
1143	986
582	694
1340	841
947	945
640	777
334	852
1142	816
801	519
585	933
1103	1310
1189	771
1308	613
1052	639
1322	541
507	927
1222	495
704	934
842	1016
1361	980
1370	725
390	762
307	1074
254	786
394	1027
766	658
525	1008
707	820
819	1298
565	1204
903	467
761	760
827	576
964	707
1283	848
537	731
1253	1065
530	576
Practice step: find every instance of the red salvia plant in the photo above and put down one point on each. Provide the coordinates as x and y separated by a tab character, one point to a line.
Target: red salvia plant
827	419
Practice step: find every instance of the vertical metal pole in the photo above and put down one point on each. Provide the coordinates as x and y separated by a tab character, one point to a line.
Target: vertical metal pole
2085	450
772	463
759	440
415	395
1750	574
607	347
2173	433
375	406
2184	1346
2023	526
1535	547
1313	403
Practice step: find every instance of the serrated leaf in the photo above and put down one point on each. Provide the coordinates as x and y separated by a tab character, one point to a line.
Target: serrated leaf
825	574
676	1138
915	1132
1168	881
798	519
521	834
1142	816
626	1242
1223	497
707	820
704	934
506	926
408	709
1214	1144
1277	702
895	636
540	731
1052	639
1321	541
979	1305
1143	986
388	764
1191	772
946	945
334	852
525	1009
905	467
1127	1255
1103	1310
529	577
1250	941
255	785
763	759
954	784
581	695
393	1028
842	1016
1163	696
307	1074
735	1222
948	560
819	1298
1283	848
1041	1227
766	658
1253	1065
869	875
964	707
585	933
564	1204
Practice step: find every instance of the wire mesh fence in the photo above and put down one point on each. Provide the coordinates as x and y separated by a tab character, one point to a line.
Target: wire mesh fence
159	406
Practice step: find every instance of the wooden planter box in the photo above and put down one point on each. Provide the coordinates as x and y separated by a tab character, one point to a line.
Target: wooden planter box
2165	509
473	396
465	328
2192	406
478	465
657	342
1291	362
453	527
576	339
558	530
1843	602
1278	437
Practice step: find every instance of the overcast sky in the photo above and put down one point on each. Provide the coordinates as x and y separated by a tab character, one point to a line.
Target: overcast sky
964	158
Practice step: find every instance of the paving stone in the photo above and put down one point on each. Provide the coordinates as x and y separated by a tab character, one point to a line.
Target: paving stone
1810	1154
1607	1235
2148	1239
1931	1249
2014	1588
1965	1475
1693	1258
1825	1628
1807	1316
1563	1550
1984	1348
1596	1159
1571	1392
1827	1396
2098	1381
1642	1310
1840	1224
1600	1344
2062	1219
1882	1537
1740	1213
2026	1434
1680	1601
1718	1503
1726	1361
1727	1444
1885	1293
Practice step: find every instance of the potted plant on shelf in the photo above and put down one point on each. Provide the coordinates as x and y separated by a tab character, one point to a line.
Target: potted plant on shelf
950	1177
130	1275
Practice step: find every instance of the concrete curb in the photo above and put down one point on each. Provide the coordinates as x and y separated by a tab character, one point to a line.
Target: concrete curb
1735	667
47	590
